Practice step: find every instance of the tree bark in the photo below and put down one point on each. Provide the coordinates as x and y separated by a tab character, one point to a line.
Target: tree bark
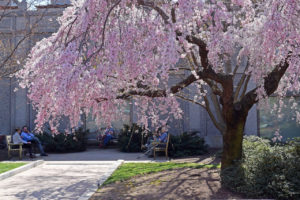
232	142
235	116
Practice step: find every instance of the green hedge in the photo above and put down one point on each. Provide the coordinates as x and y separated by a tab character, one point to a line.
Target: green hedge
187	144
266	170
62	142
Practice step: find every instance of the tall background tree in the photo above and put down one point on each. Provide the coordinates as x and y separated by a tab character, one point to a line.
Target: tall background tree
108	52
14	43
22	24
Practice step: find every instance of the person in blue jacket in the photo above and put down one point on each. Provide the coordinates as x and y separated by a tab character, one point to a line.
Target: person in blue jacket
108	135
29	137
162	140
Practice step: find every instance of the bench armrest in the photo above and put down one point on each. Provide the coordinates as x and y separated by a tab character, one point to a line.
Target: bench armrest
12	144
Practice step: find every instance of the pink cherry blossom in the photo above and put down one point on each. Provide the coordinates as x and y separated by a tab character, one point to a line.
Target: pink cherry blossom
108	53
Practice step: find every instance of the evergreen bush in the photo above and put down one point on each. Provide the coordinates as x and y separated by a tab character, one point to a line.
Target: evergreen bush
187	144
63	142
132	137
266	170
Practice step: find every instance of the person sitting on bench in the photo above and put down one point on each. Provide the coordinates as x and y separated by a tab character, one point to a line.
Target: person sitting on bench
29	137
164	136
108	135
153	138
160	142
18	140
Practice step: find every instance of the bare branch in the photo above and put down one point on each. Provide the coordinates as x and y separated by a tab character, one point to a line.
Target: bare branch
240	83
190	100
27	34
245	87
214	87
235	69
103	32
218	109
69	31
218	125
153	5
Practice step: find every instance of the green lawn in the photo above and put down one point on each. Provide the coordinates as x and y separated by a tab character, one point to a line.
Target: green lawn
4	167
129	170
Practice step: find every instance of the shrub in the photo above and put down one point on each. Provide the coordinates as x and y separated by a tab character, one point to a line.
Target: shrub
132	137
187	144
62	142
266	170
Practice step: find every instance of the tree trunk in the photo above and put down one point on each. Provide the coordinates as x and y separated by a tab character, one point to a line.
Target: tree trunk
232	141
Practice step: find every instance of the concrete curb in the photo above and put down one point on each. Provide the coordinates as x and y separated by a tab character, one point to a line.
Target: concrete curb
89	192
104	163
20	169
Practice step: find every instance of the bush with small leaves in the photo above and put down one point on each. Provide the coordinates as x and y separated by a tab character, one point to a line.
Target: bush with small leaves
63	142
187	144
266	170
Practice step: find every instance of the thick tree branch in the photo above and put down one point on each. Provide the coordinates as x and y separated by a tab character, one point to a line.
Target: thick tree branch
148	93
270	85
207	72
203	52
173	15
204	75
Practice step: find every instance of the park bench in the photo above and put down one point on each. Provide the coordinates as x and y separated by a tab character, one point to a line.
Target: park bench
11	147
162	147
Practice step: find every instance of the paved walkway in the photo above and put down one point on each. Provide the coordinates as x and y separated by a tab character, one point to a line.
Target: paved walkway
67	175
96	154
57	180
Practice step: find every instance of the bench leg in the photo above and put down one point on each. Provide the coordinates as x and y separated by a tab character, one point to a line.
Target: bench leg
167	154
154	154
8	152
20	153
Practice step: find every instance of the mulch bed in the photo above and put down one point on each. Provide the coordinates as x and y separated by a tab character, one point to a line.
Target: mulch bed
177	184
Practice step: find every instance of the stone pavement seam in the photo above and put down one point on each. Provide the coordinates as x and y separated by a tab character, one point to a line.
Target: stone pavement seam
18	170
89	192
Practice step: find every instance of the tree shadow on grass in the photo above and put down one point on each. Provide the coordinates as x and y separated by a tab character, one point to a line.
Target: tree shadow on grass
187	183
